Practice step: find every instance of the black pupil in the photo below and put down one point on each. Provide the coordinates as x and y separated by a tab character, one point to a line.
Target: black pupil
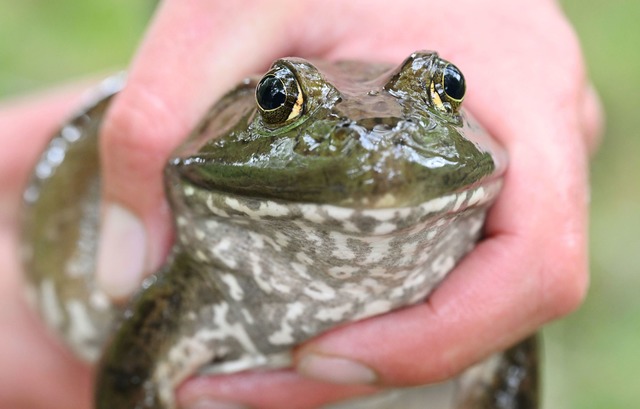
454	84
270	93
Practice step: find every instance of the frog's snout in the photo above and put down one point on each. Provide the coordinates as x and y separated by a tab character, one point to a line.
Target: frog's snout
371	109
378	124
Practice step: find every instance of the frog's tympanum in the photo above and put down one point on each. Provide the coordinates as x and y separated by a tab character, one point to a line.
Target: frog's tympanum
320	194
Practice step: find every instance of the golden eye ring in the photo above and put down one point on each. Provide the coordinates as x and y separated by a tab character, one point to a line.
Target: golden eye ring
279	97
448	87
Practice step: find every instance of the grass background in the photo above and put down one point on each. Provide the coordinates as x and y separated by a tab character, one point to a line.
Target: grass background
592	359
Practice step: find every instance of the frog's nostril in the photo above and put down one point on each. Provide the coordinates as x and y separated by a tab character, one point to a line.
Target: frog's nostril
378	123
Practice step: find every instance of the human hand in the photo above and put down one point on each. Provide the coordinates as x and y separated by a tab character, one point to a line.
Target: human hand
527	85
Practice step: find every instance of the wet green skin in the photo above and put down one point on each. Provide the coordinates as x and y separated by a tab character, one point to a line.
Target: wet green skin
366	132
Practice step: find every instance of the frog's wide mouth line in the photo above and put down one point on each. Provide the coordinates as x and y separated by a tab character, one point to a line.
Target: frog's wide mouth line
377	221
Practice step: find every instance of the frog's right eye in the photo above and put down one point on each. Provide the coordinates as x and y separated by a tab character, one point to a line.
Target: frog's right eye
279	97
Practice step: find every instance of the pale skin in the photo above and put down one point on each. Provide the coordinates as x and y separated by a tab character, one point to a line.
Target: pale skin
526	84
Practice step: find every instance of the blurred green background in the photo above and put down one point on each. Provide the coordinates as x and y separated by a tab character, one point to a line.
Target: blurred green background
593	357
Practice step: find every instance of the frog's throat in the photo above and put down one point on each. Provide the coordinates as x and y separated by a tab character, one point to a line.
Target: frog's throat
350	263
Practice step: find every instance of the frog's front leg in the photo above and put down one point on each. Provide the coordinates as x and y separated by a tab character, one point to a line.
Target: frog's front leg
178	324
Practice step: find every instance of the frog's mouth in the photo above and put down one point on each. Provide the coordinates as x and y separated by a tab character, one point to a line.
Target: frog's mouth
205	203
396	176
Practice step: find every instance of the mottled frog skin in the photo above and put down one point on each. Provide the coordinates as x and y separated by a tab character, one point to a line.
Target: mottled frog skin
321	194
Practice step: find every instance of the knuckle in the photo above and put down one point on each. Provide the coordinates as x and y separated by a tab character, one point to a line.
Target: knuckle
568	282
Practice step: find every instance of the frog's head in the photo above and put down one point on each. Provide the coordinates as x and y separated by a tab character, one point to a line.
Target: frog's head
349	134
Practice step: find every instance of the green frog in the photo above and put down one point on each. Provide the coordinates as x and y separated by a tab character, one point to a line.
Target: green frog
319	194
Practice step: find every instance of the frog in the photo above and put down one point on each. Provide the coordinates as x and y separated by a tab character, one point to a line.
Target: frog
319	194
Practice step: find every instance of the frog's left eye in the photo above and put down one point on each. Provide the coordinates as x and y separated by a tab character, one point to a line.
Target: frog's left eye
453	83
279	97
448	88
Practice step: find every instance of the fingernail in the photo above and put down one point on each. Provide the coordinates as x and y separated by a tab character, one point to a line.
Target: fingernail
335	370
121	252
208	403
